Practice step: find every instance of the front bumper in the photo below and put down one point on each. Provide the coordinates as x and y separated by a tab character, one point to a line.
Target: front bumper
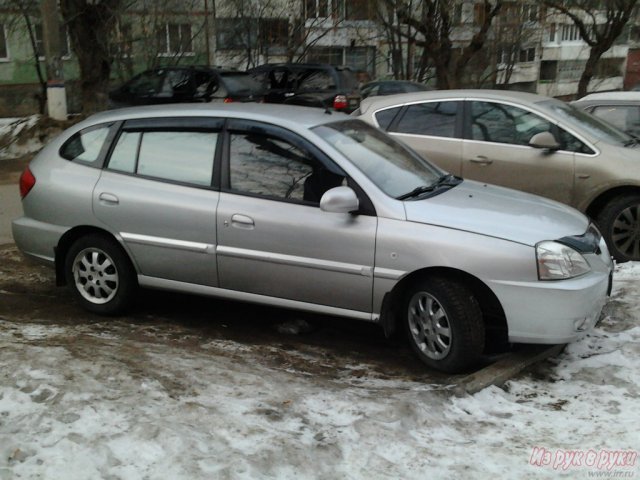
559	311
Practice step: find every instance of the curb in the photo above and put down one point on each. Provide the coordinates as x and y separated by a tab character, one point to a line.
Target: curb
505	368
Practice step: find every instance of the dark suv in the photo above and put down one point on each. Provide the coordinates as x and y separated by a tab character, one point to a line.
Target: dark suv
186	84
311	85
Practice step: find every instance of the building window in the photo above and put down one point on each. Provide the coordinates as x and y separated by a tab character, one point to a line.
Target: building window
552	33
479	14
358	58
505	55
570	33
527	55
274	32
64	41
570	70
4	50
530	13
123	44
236	33
359	10
456	16
174	38
548	70
319	8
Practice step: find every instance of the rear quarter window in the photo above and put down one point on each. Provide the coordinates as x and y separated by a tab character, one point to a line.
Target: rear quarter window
87	146
385	117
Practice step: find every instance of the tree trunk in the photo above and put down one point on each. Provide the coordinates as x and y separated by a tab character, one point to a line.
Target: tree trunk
90	25
589	71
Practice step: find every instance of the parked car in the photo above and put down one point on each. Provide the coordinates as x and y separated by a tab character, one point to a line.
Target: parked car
310	211
391	87
186	84
621	109
526	142
310	85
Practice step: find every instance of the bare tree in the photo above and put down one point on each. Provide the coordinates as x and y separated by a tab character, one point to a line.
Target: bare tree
599	24
432	28
27	11
90	24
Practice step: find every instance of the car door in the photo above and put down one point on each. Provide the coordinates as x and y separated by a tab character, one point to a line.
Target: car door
433	129
156	194
496	150
273	239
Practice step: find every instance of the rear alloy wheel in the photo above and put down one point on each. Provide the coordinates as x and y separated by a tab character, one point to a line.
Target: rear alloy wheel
100	275
444	324
620	225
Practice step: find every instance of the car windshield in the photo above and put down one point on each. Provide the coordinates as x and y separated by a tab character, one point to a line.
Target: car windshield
238	83
595	127
394	168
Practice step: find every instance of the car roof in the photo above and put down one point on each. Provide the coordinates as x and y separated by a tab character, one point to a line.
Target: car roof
300	66
611	96
402	98
288	116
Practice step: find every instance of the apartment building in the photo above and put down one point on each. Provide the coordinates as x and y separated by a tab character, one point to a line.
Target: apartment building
528	47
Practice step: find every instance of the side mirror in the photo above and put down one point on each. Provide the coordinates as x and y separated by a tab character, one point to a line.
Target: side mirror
339	200
544	140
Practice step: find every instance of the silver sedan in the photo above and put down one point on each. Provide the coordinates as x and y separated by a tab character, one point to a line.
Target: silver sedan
298	208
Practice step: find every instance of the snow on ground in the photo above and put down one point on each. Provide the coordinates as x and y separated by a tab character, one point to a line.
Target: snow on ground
12	146
79	402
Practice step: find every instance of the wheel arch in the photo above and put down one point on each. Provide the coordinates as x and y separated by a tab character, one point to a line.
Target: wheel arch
69	238
493	314
598	203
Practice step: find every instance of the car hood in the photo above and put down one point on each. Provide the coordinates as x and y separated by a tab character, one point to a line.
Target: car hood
498	212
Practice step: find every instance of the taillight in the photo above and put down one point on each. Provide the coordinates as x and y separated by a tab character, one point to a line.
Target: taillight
340	102
228	100
27	181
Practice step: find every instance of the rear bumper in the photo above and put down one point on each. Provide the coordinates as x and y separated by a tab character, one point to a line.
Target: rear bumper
37	239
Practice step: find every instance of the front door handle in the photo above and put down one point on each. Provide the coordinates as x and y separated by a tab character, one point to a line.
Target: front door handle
481	160
242	221
108	199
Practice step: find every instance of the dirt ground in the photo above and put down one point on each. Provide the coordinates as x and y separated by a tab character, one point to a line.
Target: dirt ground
28	293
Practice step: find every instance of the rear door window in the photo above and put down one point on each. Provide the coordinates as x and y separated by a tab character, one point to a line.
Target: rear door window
176	155
436	119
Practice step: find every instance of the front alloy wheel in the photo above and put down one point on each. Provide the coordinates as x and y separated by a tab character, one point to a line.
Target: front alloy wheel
619	223
444	324
429	326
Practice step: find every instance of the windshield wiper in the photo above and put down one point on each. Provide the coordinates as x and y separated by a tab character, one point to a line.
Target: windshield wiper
446	180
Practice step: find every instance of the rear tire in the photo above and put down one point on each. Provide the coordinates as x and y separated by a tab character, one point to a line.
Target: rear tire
619	222
100	275
444	324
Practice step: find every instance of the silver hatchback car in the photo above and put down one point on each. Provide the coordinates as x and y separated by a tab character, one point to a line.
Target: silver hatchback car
297	208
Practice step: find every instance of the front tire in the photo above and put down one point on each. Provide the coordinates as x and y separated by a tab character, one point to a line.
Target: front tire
444	324
619	221
100	275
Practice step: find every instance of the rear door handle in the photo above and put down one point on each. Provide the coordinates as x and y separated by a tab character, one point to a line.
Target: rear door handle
108	199
481	160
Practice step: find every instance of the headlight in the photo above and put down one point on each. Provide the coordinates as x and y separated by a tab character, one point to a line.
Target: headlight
557	261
